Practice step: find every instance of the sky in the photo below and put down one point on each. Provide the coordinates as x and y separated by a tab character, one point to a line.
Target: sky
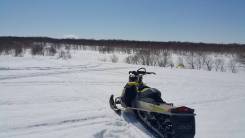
211	21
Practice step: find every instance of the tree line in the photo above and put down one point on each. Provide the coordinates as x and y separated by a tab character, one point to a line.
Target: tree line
25	42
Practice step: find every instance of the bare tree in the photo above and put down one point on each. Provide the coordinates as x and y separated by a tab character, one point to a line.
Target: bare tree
190	60
64	54
19	52
218	64
133	59
37	49
154	59
164	59
222	68
52	51
198	62
204	57
209	63
232	64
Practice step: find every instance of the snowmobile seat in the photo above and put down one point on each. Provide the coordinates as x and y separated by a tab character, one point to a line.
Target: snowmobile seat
150	95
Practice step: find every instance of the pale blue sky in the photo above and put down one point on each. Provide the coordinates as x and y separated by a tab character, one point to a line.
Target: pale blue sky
216	21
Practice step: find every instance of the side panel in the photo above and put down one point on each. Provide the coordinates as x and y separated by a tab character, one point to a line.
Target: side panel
162	108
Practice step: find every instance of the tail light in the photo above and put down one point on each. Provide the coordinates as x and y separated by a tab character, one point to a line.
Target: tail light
182	109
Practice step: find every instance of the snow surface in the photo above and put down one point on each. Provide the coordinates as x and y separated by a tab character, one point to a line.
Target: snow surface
46	97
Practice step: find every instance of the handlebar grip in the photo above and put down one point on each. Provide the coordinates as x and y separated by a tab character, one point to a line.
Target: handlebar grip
141	72
151	73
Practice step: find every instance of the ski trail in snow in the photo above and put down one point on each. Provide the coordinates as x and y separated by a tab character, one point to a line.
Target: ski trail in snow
45	68
63	122
82	69
54	72
31	83
47	127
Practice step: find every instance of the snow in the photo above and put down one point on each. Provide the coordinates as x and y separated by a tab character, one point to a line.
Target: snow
49	97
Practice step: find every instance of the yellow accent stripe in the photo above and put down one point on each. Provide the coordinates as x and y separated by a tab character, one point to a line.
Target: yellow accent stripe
132	83
144	90
158	108
152	107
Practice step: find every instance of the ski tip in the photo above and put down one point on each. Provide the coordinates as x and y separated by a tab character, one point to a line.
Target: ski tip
113	106
111	100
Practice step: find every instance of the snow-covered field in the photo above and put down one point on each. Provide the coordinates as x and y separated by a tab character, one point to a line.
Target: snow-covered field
54	98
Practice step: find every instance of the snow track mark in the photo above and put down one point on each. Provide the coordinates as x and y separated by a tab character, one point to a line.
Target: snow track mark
54	72
64	122
83	69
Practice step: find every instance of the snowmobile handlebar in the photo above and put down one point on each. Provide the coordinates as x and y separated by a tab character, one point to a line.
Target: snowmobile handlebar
141	71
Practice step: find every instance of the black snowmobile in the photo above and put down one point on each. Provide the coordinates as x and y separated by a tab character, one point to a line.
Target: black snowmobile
163	119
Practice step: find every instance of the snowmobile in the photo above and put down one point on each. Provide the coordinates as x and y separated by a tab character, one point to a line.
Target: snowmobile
163	119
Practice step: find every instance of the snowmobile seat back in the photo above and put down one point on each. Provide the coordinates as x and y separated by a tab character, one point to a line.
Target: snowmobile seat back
129	94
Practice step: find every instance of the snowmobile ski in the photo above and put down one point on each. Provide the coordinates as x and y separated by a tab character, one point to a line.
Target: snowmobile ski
113	105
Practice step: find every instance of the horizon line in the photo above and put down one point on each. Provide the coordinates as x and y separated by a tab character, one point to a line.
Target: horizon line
118	39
